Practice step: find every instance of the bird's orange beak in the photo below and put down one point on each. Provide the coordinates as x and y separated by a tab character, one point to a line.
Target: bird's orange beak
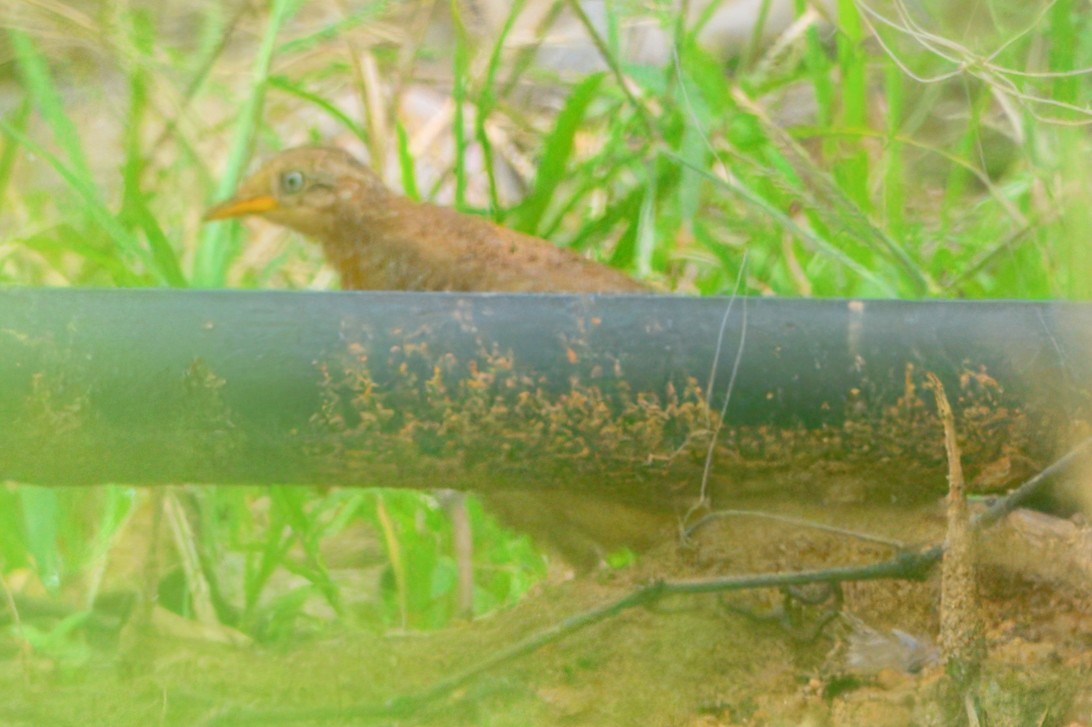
237	207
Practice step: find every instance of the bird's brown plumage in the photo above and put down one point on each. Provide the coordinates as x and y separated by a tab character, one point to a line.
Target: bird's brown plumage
380	240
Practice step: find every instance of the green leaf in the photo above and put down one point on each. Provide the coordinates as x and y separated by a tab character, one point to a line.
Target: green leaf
556	154
405	163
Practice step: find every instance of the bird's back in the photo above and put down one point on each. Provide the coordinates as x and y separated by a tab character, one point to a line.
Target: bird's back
414	246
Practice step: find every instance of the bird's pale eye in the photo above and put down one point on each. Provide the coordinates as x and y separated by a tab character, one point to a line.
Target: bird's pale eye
291	182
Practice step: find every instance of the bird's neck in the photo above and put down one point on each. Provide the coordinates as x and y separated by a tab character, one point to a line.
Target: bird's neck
365	246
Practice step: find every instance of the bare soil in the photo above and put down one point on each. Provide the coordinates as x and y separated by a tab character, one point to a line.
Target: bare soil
709	660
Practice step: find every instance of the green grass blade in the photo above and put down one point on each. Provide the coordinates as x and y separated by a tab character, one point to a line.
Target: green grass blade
135	212
292	503
556	154
816	242
164	256
589	177
47	99
894	201
1064	42
625	208
282	83
273	550
406	164
966	148
76	172
41	511
127	243
487	101
116	505
213	39
458	97
220	242
18	122
829	203
645	236
851	169
55	242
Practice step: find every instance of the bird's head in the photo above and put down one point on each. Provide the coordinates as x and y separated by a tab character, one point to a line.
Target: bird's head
306	189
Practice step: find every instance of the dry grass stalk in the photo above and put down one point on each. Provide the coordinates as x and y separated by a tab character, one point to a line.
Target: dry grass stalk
961	634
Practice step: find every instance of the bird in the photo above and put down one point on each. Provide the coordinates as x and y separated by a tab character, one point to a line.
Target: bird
380	240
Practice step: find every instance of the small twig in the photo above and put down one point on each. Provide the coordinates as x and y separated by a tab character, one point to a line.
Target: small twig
707	470
1017	497
789	520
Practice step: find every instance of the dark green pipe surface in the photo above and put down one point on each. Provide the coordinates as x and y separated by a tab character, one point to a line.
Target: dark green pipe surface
154	386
